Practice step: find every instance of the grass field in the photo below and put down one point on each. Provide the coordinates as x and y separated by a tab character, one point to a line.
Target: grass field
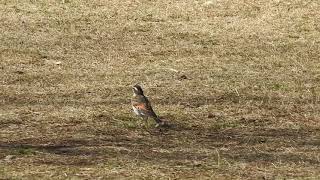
237	81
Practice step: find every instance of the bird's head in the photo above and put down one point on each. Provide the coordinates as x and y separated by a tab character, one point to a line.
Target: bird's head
137	90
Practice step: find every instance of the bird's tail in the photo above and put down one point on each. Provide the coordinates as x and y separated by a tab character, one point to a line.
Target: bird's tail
158	121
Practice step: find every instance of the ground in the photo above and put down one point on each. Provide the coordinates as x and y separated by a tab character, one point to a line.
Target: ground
236	81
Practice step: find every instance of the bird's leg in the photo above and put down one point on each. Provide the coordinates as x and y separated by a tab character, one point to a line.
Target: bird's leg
140	122
145	119
147	122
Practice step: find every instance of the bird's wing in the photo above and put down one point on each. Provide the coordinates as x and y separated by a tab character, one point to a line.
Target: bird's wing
143	104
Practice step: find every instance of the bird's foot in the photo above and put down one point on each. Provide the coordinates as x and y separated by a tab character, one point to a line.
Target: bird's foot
162	123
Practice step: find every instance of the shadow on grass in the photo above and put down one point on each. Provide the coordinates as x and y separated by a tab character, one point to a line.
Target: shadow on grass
234	145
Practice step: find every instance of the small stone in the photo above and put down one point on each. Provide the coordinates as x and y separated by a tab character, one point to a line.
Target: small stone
210	115
8	158
19	72
208	3
183	77
57	62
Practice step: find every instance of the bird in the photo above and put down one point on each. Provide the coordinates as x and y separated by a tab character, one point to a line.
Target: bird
142	106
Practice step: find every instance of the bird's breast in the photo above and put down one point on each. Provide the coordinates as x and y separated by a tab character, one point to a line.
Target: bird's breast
135	110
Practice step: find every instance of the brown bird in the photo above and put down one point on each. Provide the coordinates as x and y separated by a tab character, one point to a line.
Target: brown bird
142	107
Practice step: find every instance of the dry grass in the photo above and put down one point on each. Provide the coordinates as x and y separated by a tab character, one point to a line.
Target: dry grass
237	80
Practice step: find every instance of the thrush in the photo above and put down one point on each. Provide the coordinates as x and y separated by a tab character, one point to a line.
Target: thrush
142	106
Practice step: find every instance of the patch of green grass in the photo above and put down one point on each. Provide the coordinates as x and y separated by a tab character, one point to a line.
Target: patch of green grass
130	123
225	124
24	151
277	86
